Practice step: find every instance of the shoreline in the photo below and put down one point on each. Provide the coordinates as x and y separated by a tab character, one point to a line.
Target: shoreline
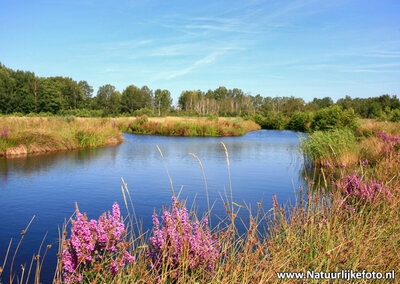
23	136
22	150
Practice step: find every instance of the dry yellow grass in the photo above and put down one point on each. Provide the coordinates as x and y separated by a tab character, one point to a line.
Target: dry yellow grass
182	126
29	135
34	135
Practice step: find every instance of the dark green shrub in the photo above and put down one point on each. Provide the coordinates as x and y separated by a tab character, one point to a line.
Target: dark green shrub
334	117
257	118
143	111
395	115
275	120
300	121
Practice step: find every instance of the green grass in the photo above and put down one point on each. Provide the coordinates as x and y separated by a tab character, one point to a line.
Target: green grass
335	146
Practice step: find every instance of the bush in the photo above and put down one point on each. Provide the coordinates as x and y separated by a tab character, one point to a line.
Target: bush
143	111
275	120
334	117
300	121
395	115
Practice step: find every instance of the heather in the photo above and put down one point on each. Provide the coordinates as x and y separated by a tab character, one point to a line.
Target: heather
181	244
95	244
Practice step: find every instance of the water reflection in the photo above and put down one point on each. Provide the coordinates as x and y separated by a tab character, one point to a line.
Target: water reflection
38	164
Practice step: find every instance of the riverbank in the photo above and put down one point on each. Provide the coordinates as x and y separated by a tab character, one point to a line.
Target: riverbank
20	136
187	126
371	141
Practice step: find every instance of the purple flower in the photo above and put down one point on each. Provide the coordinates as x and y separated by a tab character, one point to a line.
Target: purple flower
95	242
391	142
357	188
364	163
4	133
180	241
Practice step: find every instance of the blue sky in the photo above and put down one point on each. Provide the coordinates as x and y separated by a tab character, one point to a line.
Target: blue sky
304	48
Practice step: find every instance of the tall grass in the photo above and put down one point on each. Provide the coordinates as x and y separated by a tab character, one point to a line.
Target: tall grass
337	146
37	135
187	126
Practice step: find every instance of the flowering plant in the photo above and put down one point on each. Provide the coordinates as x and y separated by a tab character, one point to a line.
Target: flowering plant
392	142
181	242
95	244
357	188
4	133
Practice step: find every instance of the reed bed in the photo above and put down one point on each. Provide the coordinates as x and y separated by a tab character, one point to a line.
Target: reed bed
349	221
30	135
177	126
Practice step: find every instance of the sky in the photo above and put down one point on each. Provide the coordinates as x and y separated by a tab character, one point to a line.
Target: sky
304	48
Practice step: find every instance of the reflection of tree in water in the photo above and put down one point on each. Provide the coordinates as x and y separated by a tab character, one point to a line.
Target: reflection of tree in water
33	164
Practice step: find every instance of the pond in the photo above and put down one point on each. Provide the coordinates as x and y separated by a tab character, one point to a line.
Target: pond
262	163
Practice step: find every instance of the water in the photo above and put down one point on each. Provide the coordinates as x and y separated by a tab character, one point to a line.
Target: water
262	163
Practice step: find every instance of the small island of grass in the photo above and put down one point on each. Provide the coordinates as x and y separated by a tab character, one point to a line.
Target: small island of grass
35	135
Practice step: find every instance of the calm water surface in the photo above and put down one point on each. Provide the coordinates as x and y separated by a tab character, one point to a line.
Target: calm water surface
262	163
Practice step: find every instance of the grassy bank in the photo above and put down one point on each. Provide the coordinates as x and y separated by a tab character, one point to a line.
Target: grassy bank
34	135
346	147
179	126
22	135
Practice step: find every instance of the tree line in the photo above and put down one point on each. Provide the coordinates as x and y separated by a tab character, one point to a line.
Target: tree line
24	92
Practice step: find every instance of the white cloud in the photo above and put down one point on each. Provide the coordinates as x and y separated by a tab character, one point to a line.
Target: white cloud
208	59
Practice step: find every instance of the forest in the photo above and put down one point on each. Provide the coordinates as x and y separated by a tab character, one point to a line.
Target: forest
24	93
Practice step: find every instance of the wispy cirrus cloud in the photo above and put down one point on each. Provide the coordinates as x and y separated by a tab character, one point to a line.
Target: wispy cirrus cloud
208	59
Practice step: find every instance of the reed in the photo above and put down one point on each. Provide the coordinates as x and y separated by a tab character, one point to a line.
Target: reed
337	146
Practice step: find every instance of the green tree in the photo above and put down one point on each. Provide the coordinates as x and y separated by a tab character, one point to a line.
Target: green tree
103	96
114	103
134	98
49	94
162	101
